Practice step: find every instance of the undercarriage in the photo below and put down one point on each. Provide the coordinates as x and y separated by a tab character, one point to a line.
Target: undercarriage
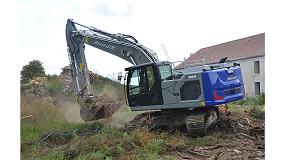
195	122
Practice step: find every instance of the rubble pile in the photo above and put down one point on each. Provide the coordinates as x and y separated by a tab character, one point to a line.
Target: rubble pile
36	88
66	84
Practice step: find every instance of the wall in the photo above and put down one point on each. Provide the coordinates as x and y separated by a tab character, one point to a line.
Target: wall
247	67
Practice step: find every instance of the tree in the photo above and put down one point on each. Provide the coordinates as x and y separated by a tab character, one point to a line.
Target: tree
65	70
31	70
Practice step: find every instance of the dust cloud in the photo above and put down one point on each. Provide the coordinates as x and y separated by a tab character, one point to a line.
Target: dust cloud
121	117
70	111
110	91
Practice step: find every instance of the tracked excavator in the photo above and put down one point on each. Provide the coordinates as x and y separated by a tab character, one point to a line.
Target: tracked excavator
190	96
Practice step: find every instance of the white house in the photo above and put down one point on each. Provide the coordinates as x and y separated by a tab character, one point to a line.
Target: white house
249	52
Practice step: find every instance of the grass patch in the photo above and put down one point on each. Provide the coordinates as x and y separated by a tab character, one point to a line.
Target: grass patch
45	118
237	108
252	101
54	86
151	150
257	112
141	137
106	86
254	105
213	139
108	143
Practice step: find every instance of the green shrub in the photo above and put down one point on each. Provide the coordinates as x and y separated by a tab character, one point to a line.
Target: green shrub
169	158
240	102
205	141
253	101
25	87
54	86
257	112
93	155
108	131
151	150
54	155
102	155
51	77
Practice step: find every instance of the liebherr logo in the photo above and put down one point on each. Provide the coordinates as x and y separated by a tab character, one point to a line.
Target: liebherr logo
104	45
232	78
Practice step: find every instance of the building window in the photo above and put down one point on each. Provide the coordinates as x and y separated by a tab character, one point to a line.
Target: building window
257	88
256	67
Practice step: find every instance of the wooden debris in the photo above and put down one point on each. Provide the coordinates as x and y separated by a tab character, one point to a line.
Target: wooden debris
237	151
241	135
26	116
247	121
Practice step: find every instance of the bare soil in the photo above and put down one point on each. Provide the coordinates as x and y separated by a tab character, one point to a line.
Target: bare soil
242	138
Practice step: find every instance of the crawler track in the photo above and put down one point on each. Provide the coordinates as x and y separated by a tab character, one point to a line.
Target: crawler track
141	121
195	124
193	121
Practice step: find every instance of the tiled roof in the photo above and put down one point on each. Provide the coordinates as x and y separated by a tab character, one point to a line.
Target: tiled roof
253	46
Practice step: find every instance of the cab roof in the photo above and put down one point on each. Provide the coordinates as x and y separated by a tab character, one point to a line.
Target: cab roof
147	64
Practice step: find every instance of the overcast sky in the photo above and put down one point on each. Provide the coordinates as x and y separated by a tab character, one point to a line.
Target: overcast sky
182	26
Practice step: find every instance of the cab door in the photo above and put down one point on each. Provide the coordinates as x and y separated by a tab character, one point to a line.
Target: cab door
143	86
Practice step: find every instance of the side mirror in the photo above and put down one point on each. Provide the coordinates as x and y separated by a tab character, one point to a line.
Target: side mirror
120	75
236	64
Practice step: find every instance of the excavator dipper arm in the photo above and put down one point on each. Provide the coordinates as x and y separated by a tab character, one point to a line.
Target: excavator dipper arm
120	45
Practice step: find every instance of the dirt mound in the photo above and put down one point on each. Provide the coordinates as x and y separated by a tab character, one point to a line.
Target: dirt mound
228	123
242	138
243	135
241	123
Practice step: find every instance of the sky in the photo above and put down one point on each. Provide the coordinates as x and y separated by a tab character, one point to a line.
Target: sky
183	27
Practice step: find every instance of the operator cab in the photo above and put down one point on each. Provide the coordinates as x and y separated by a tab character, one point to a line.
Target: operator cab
143	87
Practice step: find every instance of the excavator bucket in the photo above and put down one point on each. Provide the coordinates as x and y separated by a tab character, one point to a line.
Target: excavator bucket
94	108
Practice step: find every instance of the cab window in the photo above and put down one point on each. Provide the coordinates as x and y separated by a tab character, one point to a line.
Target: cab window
165	71
134	83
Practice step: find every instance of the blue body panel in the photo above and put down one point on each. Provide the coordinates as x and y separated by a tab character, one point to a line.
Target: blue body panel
222	85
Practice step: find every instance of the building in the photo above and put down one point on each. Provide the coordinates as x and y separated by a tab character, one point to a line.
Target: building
249	52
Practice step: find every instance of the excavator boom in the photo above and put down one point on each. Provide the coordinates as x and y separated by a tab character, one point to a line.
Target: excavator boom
120	45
